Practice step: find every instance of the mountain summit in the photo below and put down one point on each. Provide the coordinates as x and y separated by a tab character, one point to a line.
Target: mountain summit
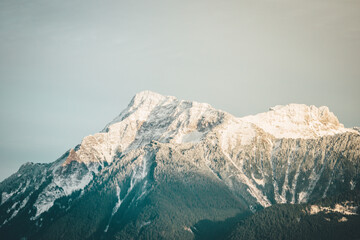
164	165
298	121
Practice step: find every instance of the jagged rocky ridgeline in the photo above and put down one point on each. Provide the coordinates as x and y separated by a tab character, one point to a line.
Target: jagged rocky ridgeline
165	164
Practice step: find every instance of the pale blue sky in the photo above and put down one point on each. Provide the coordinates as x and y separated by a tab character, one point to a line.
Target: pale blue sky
69	67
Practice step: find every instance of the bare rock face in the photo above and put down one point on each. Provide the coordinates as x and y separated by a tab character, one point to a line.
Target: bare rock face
204	158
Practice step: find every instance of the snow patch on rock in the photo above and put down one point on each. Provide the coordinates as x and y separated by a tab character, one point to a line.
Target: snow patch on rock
192	137
343	219
61	186
6	196
260	182
188	229
116	207
346	208
143	224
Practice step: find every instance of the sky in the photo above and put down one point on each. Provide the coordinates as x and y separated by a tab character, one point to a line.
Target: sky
67	68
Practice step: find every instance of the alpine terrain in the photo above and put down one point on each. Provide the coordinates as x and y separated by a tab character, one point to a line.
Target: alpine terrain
173	169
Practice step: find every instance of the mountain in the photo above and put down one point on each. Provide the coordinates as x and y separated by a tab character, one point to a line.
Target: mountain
173	169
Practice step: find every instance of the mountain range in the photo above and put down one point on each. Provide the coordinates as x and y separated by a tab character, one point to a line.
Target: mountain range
166	168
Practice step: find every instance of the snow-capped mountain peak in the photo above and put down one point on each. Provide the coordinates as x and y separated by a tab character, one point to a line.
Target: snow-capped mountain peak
148	98
298	121
149	116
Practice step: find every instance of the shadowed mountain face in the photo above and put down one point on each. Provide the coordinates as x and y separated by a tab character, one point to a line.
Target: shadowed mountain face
169	169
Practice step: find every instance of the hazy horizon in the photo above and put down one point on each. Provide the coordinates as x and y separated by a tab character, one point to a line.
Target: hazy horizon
69	68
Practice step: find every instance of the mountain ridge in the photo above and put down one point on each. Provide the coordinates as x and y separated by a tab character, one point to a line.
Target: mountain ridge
160	146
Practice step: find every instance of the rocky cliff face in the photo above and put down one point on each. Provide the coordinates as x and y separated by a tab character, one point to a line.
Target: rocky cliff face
163	158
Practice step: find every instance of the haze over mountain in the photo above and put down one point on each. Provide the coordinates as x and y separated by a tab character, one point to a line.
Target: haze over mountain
172	169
